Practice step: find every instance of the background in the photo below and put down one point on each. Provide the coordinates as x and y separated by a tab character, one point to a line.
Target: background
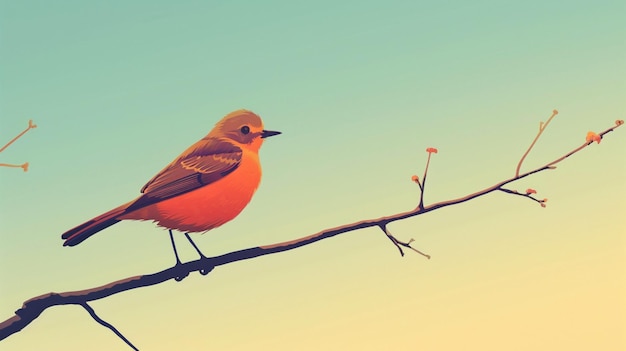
360	91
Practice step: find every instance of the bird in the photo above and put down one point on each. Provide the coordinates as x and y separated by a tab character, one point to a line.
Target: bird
206	186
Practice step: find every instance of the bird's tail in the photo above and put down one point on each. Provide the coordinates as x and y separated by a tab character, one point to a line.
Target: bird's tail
76	235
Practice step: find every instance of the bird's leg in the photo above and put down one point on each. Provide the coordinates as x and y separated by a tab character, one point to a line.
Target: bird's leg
194	246
203	271
174	247
178	263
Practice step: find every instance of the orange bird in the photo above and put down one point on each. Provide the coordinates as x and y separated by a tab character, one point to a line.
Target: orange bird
208	185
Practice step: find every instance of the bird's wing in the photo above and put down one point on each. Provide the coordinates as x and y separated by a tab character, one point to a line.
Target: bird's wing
204	163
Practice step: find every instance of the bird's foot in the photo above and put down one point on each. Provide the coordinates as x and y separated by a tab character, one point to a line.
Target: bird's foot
208	267
181	277
178	267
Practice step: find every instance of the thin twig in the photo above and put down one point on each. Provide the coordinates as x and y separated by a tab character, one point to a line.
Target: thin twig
23	166
423	185
30	126
399	243
527	195
542	127
93	314
392	238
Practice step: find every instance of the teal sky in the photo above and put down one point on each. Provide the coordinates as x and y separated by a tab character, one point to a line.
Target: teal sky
359	90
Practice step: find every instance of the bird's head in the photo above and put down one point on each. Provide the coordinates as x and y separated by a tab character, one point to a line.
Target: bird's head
244	128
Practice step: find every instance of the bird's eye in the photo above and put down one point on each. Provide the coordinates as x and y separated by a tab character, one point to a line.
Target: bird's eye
245	130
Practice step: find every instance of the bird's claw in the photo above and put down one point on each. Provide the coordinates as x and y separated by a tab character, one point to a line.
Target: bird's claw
180	278
205	271
179	269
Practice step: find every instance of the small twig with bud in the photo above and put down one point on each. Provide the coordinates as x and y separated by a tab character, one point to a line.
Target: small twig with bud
542	127
422	184
399	243
24	166
529	194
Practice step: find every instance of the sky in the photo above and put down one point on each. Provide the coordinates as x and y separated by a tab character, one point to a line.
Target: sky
359	89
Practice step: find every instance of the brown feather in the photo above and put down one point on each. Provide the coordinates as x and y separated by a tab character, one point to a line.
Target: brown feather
206	162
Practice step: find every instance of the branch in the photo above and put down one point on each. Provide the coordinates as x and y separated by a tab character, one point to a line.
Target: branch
30	126
32	308
24	166
542	127
93	314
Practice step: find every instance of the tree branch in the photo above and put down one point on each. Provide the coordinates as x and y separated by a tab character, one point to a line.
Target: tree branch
33	307
23	166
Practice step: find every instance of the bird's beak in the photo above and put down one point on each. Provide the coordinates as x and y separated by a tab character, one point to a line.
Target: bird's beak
268	133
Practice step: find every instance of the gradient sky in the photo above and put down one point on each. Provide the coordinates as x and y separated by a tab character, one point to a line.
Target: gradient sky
360	90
